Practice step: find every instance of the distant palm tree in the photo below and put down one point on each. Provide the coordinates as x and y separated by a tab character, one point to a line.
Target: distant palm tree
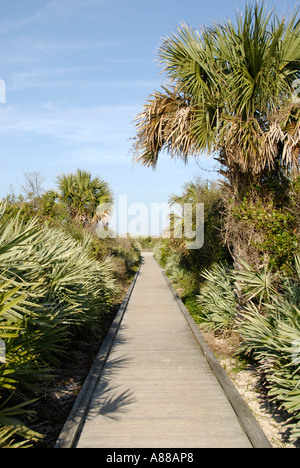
87	198
231	95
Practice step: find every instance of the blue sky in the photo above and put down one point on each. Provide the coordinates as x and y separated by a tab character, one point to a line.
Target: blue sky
76	73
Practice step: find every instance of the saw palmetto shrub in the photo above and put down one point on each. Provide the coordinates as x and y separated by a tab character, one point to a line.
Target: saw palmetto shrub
217	299
51	291
270	332
263	307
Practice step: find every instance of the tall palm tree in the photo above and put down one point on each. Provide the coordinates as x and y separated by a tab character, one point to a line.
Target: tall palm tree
230	94
86	197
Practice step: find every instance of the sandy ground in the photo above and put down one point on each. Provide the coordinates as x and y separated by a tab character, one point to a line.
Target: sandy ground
248	382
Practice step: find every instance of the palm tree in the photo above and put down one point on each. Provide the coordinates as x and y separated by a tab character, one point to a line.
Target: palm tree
230	95
86	197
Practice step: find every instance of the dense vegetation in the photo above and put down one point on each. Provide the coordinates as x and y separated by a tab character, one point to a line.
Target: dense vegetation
232	92
59	285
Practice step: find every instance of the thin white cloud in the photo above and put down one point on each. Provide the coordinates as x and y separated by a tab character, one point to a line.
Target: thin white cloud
52	77
53	10
103	125
25	51
61	8
28	46
54	46
122	84
41	78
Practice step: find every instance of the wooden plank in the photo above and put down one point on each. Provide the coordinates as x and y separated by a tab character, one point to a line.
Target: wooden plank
157	388
76	417
242	410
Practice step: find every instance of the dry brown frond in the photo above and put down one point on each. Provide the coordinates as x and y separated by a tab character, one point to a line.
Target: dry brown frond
276	140
253	147
164	124
283	136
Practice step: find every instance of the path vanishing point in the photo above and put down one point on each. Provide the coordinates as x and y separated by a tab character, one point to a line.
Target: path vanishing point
155	383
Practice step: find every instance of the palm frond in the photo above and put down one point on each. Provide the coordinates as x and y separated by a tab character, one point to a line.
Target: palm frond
164	124
228	82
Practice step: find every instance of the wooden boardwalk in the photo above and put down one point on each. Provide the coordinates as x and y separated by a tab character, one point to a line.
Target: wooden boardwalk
156	387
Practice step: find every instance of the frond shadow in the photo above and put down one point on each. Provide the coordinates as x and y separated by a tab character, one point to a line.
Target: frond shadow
110	400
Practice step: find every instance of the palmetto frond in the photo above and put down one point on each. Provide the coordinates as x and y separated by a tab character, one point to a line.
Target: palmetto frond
83	194
164	124
50	287
228	83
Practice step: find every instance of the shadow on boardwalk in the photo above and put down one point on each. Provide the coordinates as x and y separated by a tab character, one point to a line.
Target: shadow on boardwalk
108	400
157	385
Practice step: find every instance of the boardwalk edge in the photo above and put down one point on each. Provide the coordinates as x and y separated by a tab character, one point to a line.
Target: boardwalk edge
249	424
75	420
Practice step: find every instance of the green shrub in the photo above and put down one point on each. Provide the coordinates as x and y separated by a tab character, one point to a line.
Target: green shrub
272	232
217	298
50	290
264	308
271	334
